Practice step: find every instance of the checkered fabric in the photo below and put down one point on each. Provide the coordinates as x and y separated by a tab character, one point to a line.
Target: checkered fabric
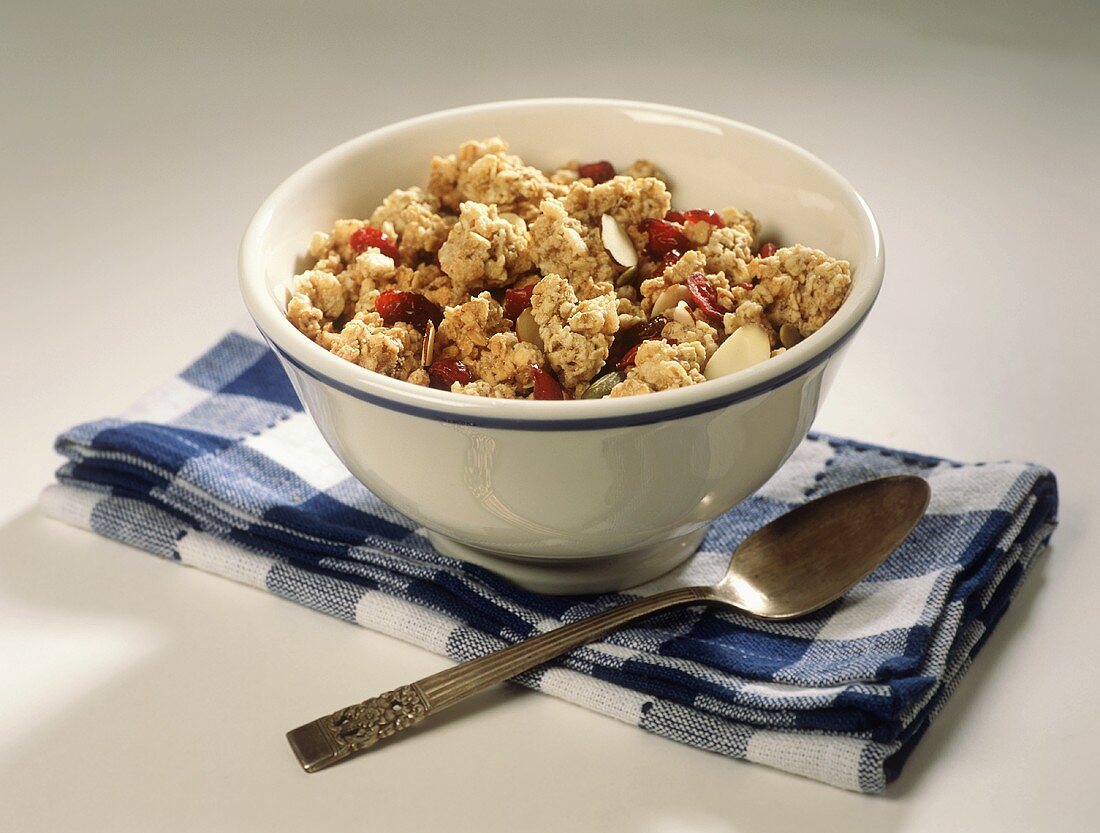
220	469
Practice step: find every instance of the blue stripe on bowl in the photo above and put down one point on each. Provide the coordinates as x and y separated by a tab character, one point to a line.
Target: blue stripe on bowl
646	417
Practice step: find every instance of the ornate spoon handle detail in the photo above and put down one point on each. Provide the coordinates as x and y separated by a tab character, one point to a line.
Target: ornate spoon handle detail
331	739
349	731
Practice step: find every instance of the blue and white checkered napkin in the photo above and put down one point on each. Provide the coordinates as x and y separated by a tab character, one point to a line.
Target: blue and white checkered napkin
220	469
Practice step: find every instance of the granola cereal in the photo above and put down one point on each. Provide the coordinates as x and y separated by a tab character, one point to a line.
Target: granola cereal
492	240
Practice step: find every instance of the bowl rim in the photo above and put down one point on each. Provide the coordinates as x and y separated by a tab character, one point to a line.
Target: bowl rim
523	414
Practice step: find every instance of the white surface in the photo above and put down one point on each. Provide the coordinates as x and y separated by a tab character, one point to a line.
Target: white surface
137	695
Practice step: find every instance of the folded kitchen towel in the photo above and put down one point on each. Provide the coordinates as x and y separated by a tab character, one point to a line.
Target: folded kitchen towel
220	469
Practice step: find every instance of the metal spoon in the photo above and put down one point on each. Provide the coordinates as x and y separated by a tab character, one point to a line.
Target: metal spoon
794	565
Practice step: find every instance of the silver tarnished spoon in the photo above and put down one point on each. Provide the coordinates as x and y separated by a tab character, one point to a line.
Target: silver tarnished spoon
794	565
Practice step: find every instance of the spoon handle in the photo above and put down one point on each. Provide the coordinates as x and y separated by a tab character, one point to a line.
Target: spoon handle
329	740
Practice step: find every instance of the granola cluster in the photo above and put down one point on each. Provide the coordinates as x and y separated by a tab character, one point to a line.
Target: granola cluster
500	280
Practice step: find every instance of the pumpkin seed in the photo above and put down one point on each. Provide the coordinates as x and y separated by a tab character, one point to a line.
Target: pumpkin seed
618	242
627	276
789	335
602	386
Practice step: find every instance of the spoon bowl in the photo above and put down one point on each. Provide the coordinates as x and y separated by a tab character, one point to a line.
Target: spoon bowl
812	555
796	564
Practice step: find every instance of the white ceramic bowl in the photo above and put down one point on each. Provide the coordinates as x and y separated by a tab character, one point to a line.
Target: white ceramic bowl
582	495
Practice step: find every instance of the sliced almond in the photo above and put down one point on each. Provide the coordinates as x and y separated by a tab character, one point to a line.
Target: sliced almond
427	351
669	298
789	335
618	242
681	313
747	346
527	329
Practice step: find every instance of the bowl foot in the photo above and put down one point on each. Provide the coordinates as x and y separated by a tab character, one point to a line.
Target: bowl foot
566	576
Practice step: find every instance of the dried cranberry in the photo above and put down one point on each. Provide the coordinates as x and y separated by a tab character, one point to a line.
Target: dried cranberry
697	215
626	339
648	329
768	249
546	386
704	296
745	285
664	237
669	260
628	360
446	372
517	300
597	171
367	237
394	305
